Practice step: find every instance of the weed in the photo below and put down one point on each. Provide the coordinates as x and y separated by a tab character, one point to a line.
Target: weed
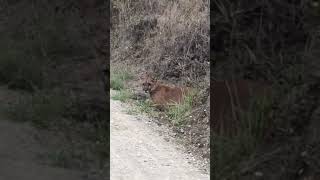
116	83
122	95
178	112
145	106
118	78
132	111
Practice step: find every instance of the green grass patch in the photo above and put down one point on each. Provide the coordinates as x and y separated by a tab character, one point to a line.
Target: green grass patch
177	113
132	111
119	78
145	106
122	95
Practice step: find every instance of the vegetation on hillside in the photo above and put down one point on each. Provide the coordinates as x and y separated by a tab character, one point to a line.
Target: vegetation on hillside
277	42
171	40
48	56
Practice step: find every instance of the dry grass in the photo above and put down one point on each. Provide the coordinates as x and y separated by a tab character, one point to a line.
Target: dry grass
251	41
171	38
43	45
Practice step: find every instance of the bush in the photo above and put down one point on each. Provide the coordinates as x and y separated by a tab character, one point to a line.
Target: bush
169	38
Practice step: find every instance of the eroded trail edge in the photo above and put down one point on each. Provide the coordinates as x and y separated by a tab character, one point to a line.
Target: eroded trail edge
138	150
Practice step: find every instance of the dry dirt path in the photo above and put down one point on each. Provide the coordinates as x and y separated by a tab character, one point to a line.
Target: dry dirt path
20	150
139	152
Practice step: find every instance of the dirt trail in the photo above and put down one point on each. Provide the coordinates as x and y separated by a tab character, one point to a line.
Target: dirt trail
20	150
139	152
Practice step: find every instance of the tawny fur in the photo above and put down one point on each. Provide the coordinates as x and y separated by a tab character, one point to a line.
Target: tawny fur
229	97
161	94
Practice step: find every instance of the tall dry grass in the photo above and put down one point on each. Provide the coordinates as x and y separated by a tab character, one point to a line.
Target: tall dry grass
170	38
271	41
